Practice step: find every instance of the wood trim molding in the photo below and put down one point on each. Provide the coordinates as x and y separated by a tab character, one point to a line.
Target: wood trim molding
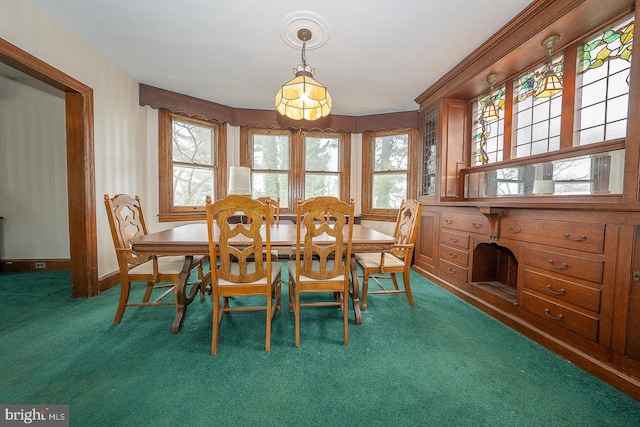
194	107
24	265
80	165
516	46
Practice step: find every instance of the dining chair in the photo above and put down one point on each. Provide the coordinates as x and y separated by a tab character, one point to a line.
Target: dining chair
322	254
274	204
385	265
236	249
126	221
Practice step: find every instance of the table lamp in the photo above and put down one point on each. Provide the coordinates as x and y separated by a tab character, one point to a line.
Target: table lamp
239	180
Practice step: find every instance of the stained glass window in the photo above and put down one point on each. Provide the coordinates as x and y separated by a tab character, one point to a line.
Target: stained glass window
429	154
603	85
536	120
489	132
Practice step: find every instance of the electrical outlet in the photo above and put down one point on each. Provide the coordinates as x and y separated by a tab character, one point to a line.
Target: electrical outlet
41	264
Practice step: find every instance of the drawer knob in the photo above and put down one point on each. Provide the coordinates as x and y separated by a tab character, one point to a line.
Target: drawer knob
560	292
636	276
514	230
453	240
476	225
452	255
448	221
580	238
452	270
548	313
562	266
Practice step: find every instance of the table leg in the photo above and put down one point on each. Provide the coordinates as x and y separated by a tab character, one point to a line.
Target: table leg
354	291
181	296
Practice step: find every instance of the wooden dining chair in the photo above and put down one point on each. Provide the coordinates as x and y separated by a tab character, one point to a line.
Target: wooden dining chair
385	265
236	249
322	255
126	221
274	205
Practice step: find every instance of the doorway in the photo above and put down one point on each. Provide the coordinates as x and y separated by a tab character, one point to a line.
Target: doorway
80	165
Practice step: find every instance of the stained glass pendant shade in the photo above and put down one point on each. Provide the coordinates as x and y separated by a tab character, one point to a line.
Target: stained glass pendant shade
550	83
303	97
490	112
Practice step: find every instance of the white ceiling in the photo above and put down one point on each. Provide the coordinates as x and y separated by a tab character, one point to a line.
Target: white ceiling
379	55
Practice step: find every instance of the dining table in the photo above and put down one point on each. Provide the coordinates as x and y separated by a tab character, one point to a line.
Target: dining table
192	239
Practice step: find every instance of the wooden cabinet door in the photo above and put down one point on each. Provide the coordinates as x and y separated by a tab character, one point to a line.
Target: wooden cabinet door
427	241
453	136
633	325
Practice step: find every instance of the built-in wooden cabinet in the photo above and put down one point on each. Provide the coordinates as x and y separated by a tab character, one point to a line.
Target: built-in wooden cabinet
552	274
454	127
563	269
633	325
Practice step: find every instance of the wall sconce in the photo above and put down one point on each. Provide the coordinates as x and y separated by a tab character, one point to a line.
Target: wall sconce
490	112
239	180
550	83
303	97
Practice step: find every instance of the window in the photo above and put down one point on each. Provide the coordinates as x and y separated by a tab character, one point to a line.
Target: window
603	84
190	166
322	165
536	120
386	164
287	165
429	153
489	132
593	110
270	166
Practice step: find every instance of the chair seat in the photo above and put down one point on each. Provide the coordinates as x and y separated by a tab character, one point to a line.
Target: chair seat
291	266
276	268
166	265
372	260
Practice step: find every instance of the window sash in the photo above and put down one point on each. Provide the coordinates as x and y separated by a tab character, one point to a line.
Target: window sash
176	200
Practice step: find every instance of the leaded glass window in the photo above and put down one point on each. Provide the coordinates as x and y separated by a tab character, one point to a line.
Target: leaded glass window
429	152
602	83
489	132
536	120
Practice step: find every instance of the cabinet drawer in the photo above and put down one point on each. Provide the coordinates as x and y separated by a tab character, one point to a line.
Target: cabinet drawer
453	270
470	223
454	239
573	320
563	290
583	236
454	255
570	265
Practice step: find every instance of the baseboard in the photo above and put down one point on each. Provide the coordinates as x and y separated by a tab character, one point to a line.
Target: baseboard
108	281
24	265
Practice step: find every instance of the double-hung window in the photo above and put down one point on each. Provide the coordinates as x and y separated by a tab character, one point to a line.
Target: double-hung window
287	164
386	171
190	165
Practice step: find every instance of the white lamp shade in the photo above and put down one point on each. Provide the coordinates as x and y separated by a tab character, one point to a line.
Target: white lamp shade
239	180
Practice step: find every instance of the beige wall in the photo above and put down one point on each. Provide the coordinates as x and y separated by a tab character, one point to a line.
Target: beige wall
33	172
125	134
120	123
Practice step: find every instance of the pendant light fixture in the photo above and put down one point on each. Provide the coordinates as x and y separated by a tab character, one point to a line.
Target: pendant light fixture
303	97
550	84
490	112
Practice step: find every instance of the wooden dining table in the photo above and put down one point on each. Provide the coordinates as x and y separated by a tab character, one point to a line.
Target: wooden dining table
191	239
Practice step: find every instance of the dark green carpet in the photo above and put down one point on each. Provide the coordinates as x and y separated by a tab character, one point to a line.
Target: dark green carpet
439	363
